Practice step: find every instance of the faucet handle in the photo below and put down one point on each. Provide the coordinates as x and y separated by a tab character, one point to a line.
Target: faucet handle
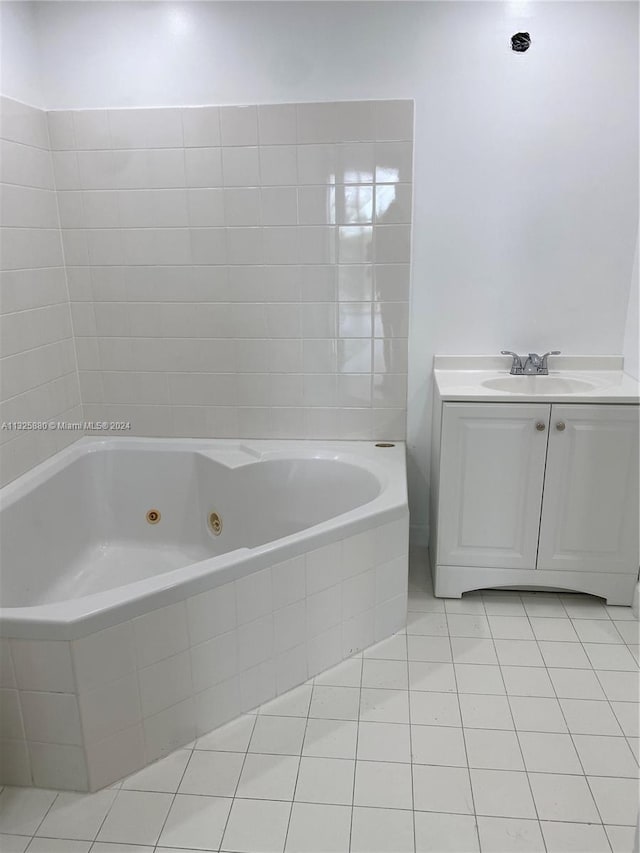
516	365
547	354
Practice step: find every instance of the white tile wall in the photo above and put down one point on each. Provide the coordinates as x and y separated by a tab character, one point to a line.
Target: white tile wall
39	377
86	713
240	271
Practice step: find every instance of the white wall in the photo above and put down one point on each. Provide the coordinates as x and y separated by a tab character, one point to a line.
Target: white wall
20	64
631	338
525	204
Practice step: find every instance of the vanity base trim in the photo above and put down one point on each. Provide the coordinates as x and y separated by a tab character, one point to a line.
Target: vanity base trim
452	581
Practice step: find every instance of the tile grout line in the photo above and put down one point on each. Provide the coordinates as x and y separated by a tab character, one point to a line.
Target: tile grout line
464	741
304	735
233	797
515	728
411	763
355	762
569	732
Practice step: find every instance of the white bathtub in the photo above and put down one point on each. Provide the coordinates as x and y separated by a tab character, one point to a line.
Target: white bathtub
124	639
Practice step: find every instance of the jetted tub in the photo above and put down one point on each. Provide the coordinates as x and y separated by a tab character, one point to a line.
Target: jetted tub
153	589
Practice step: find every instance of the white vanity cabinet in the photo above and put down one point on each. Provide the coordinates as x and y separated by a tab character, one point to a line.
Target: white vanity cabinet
535	494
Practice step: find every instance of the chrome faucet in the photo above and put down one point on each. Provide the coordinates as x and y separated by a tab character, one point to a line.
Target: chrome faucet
533	365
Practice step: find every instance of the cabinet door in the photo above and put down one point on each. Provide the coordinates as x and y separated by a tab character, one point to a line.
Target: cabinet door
590	507
491	473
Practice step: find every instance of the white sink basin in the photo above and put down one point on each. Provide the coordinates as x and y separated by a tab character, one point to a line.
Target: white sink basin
540	385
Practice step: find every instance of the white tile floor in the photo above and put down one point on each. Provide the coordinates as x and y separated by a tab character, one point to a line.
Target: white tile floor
500	722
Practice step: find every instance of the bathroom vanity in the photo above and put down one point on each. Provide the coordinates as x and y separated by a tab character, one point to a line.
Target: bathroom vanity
534	479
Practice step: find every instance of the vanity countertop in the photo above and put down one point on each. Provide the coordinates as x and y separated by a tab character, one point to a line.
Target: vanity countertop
571	379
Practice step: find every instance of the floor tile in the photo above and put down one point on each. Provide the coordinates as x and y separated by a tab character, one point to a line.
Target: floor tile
527	681
56	845
345	674
22	809
434	709
620	686
511	627
426	602
394	648
330	739
597	631
493	750
627	716
325	780
546	752
437	677
589	717
77	815
617	799
535	714
518	653
445	833
384	742
473	650
543	604
629	631
427	624
294	703
576	684
214	774
442	789
268	777
14	843
280	735
163	776
620	837
438	745
503	604
574	837
381	831
383	784
606	756
233	737
546	628
471	602
136	817
384	706
467	625
586	607
502	793
256	825
318	829
479	678
109	847
605	656
485	712
429	648
385	673
510	835
563	798
196	822
569	655
335	703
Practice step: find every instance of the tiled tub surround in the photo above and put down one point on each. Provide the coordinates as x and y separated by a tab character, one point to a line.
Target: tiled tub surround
240	271
476	729
38	371
80	712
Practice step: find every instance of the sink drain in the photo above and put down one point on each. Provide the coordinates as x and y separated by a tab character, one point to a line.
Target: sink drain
215	523
153	516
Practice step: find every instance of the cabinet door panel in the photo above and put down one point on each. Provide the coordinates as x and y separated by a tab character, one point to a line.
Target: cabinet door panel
491	473
590	506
